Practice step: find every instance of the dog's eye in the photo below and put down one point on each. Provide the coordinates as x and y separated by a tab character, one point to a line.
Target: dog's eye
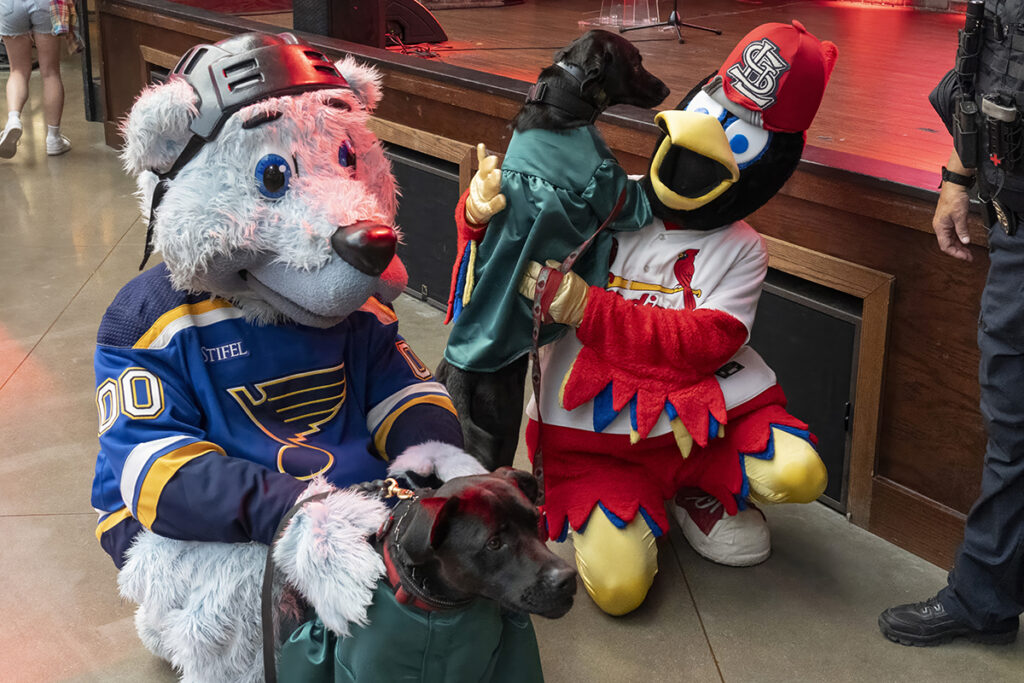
494	543
748	142
347	155
272	176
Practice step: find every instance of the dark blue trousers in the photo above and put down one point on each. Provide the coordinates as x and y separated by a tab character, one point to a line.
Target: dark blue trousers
986	586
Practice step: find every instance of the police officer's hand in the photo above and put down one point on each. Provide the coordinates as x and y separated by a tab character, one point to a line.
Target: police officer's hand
570	298
485	198
950	221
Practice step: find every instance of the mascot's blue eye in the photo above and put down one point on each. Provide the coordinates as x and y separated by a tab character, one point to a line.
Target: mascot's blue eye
272	176
347	155
747	141
739	144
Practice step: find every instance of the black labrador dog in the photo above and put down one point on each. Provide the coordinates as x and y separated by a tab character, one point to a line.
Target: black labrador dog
466	565
597	70
477	536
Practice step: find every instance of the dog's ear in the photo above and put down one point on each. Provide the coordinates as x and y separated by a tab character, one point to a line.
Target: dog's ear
596	64
429	527
524	481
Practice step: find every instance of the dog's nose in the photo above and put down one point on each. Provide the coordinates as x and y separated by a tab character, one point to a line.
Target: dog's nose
366	246
562	578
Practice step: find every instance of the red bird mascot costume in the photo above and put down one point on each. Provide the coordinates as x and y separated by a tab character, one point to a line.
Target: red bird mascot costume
657	397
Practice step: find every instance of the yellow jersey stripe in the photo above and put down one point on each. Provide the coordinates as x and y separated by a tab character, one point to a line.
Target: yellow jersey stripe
187	315
165	467
381	438
112	520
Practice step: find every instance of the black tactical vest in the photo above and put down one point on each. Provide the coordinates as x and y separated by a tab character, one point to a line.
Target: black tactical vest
1001	75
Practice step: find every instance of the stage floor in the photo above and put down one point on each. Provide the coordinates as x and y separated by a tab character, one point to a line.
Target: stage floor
875	117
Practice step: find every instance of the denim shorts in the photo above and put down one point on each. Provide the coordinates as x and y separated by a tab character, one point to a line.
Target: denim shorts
18	17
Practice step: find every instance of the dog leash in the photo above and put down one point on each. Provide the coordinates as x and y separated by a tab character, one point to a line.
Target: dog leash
380	488
547	284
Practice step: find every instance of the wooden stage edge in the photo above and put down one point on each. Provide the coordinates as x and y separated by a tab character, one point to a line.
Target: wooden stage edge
857	225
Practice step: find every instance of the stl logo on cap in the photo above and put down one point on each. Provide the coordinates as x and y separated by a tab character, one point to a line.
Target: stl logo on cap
780	72
758	75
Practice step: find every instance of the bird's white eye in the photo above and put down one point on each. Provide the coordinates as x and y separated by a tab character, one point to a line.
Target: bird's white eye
703	104
747	141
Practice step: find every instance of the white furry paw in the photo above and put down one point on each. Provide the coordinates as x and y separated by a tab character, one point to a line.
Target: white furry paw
324	553
433	457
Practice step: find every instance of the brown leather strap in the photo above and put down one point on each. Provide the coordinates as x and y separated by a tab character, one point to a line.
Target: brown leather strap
547	284
267	598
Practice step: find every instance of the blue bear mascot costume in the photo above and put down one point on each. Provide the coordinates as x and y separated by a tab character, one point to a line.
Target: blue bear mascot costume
260	363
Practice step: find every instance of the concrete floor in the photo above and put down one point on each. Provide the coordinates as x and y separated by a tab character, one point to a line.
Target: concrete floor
71	238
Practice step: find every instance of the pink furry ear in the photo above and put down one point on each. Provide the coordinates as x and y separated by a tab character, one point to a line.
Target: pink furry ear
364	80
830	53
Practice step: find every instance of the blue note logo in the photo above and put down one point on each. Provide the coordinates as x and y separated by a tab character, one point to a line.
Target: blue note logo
290	409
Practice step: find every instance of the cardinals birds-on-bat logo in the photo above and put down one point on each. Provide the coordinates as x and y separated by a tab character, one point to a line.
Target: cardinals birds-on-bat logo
683	270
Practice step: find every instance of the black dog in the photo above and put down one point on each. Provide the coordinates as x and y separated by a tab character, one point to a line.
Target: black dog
597	70
477	536
556	144
445	549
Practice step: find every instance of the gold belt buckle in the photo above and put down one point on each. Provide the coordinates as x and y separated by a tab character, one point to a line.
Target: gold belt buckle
1007	218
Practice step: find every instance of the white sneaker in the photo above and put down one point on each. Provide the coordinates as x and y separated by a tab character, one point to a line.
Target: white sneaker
740	540
57	146
9	140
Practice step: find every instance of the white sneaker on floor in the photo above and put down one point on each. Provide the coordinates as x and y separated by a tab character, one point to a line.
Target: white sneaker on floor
56	146
740	540
9	141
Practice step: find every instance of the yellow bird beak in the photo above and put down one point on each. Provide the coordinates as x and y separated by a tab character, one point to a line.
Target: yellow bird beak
700	134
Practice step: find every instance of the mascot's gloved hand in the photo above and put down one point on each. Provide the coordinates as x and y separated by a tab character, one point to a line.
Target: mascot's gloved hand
325	554
425	461
485	198
570	297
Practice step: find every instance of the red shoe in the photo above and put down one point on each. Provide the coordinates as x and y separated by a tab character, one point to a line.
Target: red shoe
740	540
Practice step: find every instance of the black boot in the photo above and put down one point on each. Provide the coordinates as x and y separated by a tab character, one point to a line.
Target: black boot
928	623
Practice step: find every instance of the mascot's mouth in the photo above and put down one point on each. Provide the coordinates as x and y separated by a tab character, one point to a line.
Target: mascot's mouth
284	305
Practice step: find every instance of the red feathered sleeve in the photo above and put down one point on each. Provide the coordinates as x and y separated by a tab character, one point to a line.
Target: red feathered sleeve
466	232
658	355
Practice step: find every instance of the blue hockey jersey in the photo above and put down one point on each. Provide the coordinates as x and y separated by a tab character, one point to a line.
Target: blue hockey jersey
209	425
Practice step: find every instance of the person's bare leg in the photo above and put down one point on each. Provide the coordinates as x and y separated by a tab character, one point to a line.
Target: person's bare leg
19	57
19	54
48	50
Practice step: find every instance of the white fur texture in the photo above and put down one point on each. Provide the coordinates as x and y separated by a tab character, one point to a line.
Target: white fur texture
324	554
213	223
199	605
199	602
444	459
364	80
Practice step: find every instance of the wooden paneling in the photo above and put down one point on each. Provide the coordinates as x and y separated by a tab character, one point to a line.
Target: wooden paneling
918	436
874	288
916	523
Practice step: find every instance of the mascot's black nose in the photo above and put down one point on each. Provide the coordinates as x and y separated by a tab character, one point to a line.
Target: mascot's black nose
366	246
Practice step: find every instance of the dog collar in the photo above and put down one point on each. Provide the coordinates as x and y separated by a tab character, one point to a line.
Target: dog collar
572	104
408	582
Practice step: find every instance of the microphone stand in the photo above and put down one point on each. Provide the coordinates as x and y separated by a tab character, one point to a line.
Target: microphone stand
674	22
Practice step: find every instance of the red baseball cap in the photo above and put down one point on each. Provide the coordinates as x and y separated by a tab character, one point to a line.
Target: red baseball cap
779	71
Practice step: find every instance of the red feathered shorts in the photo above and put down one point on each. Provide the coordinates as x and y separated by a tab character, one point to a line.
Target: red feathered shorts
583	468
